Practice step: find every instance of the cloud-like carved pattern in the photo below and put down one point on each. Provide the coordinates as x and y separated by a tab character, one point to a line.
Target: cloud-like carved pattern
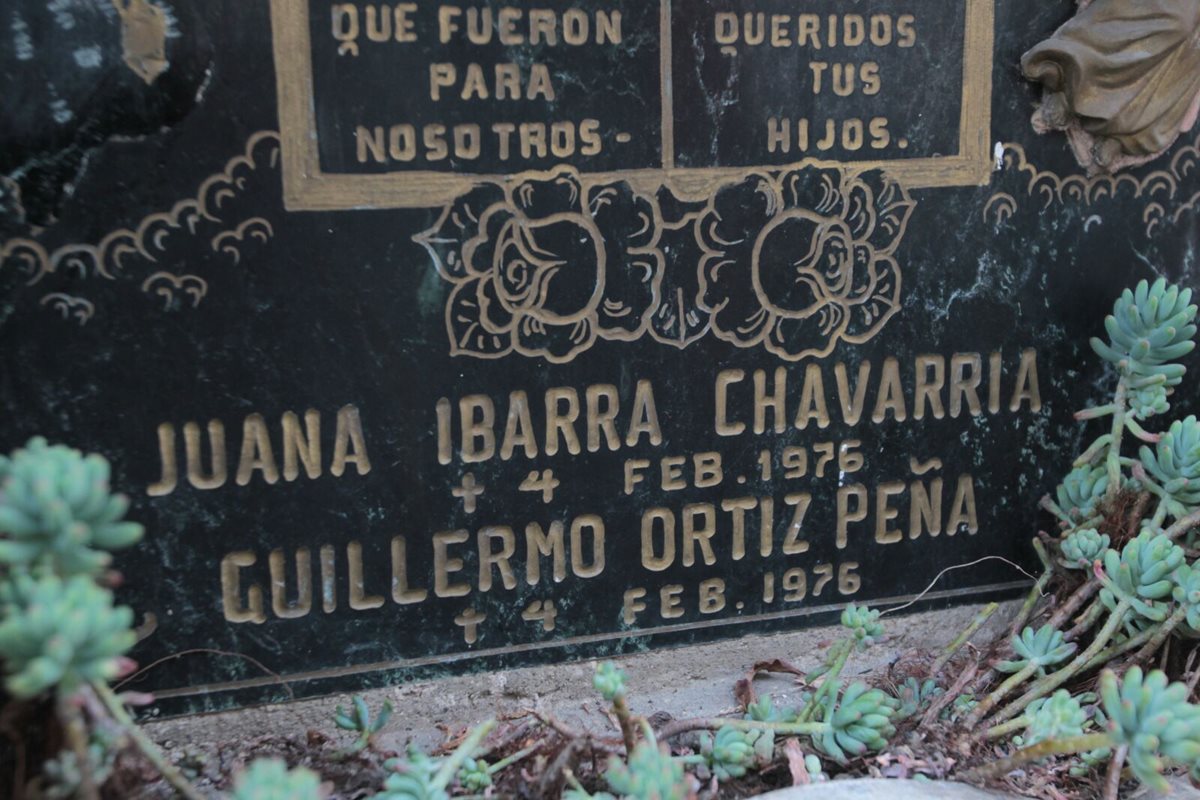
795	262
224	213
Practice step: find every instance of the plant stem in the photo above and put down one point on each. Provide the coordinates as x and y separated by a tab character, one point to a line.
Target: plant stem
1160	513
980	620
1095	413
683	726
1038	590
1183	525
1006	728
1085	592
514	758
1043	686
149	749
988	703
449	768
1085	621
625	720
1112	782
1090	454
1113	462
77	737
1161	632
1109	653
1051	747
947	697
831	680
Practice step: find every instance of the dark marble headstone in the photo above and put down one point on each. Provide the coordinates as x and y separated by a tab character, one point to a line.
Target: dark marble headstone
444	336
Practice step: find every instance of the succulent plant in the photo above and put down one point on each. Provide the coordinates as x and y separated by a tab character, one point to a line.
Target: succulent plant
764	710
1083	547
609	681
474	775
962	705
61	777
1149	327
1149	401
1090	761
860	722
270	779
1080	493
63	632
1154	720
56	510
1174	465
1141	574
732	752
915	696
1060	715
579	793
412	778
1187	594
816	773
651	774
1042	648
359	720
863	623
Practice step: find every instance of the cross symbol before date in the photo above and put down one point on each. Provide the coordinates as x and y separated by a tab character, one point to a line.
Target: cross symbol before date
468	492
469	621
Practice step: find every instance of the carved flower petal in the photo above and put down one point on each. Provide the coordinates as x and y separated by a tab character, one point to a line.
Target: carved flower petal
679	320
818	189
553	268
791	259
624	216
557	344
862	275
464	323
738	212
874	310
632	289
812	337
859	210
742	321
496	315
550	193
892	208
456	225
479	253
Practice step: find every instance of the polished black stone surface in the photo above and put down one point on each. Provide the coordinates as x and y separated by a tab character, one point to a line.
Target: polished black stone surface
194	230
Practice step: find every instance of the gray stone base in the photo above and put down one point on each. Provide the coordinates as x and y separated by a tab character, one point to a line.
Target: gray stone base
682	682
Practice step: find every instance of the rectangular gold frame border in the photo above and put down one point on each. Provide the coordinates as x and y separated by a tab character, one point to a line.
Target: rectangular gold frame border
307	188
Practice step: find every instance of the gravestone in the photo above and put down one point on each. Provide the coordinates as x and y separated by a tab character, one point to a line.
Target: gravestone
441	336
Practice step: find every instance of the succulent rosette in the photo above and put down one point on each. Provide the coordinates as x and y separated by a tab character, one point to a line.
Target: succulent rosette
1042	648
802	261
270	779
545	266
1083	547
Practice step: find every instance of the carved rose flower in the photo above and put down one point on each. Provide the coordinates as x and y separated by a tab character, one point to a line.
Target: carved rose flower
802	261
545	267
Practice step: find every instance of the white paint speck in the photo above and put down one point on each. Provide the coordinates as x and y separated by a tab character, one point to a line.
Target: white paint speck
88	57
998	155
22	41
61	9
58	109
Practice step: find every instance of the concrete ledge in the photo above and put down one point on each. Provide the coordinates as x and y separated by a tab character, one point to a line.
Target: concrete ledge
682	682
886	790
